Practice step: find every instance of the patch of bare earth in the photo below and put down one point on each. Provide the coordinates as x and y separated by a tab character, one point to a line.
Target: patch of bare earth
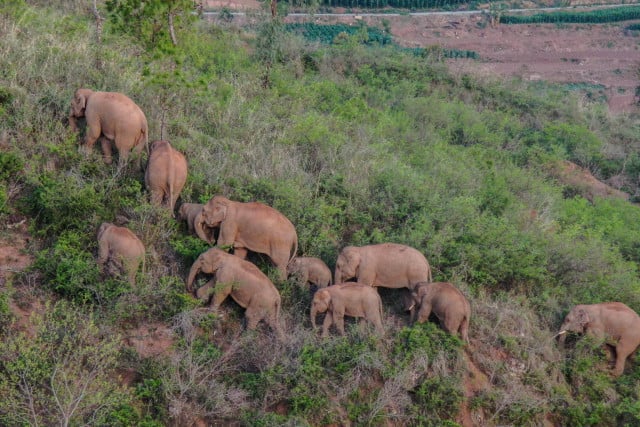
596	54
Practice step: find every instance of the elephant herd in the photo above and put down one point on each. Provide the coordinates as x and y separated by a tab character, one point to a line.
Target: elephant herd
242	227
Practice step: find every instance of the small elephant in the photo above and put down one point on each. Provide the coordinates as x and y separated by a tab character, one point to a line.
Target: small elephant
447	302
350	299
189	212
614	322
247	285
389	265
310	270
110	116
119	250
250	226
166	174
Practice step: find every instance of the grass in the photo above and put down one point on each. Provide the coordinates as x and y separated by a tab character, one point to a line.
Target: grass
355	144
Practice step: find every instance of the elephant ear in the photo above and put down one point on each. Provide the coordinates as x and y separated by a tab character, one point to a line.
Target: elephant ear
81	98
582	318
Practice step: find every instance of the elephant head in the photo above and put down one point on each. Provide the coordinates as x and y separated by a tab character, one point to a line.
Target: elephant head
347	265
78	106
214	212
208	263
320	304
576	321
200	227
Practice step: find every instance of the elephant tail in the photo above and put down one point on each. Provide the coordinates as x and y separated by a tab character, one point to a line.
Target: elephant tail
143	137
295	249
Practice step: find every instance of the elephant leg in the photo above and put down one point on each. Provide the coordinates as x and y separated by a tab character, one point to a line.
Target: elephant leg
106	150
204	292
132	269
464	329
338	318
451	324
240	252
424	312
252	318
123	157
220	295
90	138
156	197
326	324
137	154
622	352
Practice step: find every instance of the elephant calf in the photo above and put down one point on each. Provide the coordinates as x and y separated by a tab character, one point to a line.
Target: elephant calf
166	174
447	302
189	212
310	270
611	321
243	281
350	299
119	250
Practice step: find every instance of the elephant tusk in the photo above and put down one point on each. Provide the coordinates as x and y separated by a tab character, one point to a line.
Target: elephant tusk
559	333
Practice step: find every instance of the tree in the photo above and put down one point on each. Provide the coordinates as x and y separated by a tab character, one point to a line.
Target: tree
152	21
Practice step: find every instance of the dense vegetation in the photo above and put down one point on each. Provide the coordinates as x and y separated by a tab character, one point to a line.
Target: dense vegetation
370	36
600	16
356	144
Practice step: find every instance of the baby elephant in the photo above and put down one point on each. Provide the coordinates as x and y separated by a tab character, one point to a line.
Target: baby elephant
119	250
310	270
166	174
447	302
188	212
350	299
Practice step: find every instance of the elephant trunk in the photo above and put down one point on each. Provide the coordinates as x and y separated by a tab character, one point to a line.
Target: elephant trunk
314	313
198	225
337	276
73	123
562	336
195	269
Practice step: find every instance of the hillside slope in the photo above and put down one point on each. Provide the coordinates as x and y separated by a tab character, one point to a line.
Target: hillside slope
355	144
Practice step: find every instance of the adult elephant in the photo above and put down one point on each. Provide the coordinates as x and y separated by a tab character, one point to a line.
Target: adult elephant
111	117
119	251
614	322
347	299
166	174
250	226
389	265
243	281
447	302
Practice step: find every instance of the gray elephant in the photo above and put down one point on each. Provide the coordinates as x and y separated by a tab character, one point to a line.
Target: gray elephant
389	265
250	226
310	270
347	299
110	116
613	322
166	174
447	302
243	281
119	251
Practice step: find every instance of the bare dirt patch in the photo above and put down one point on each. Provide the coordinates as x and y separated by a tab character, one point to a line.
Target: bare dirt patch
603	55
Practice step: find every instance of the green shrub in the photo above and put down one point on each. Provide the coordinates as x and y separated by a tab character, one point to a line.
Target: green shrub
64	368
72	271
